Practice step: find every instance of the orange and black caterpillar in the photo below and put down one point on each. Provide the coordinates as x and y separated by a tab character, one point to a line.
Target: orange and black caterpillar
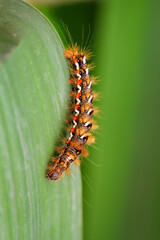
82	121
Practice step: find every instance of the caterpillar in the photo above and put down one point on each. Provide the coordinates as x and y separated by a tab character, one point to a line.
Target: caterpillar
82	122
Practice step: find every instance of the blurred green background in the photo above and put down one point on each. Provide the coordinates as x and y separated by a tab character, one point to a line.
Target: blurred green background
121	182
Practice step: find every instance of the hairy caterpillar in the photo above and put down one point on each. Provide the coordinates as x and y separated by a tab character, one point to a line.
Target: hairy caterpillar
82	121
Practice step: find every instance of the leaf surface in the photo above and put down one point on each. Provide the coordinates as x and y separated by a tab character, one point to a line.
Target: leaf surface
33	101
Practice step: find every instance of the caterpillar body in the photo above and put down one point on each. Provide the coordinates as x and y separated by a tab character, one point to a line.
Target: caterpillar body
82	121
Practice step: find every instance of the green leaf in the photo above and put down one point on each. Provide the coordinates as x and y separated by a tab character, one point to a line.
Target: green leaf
126	185
33	102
